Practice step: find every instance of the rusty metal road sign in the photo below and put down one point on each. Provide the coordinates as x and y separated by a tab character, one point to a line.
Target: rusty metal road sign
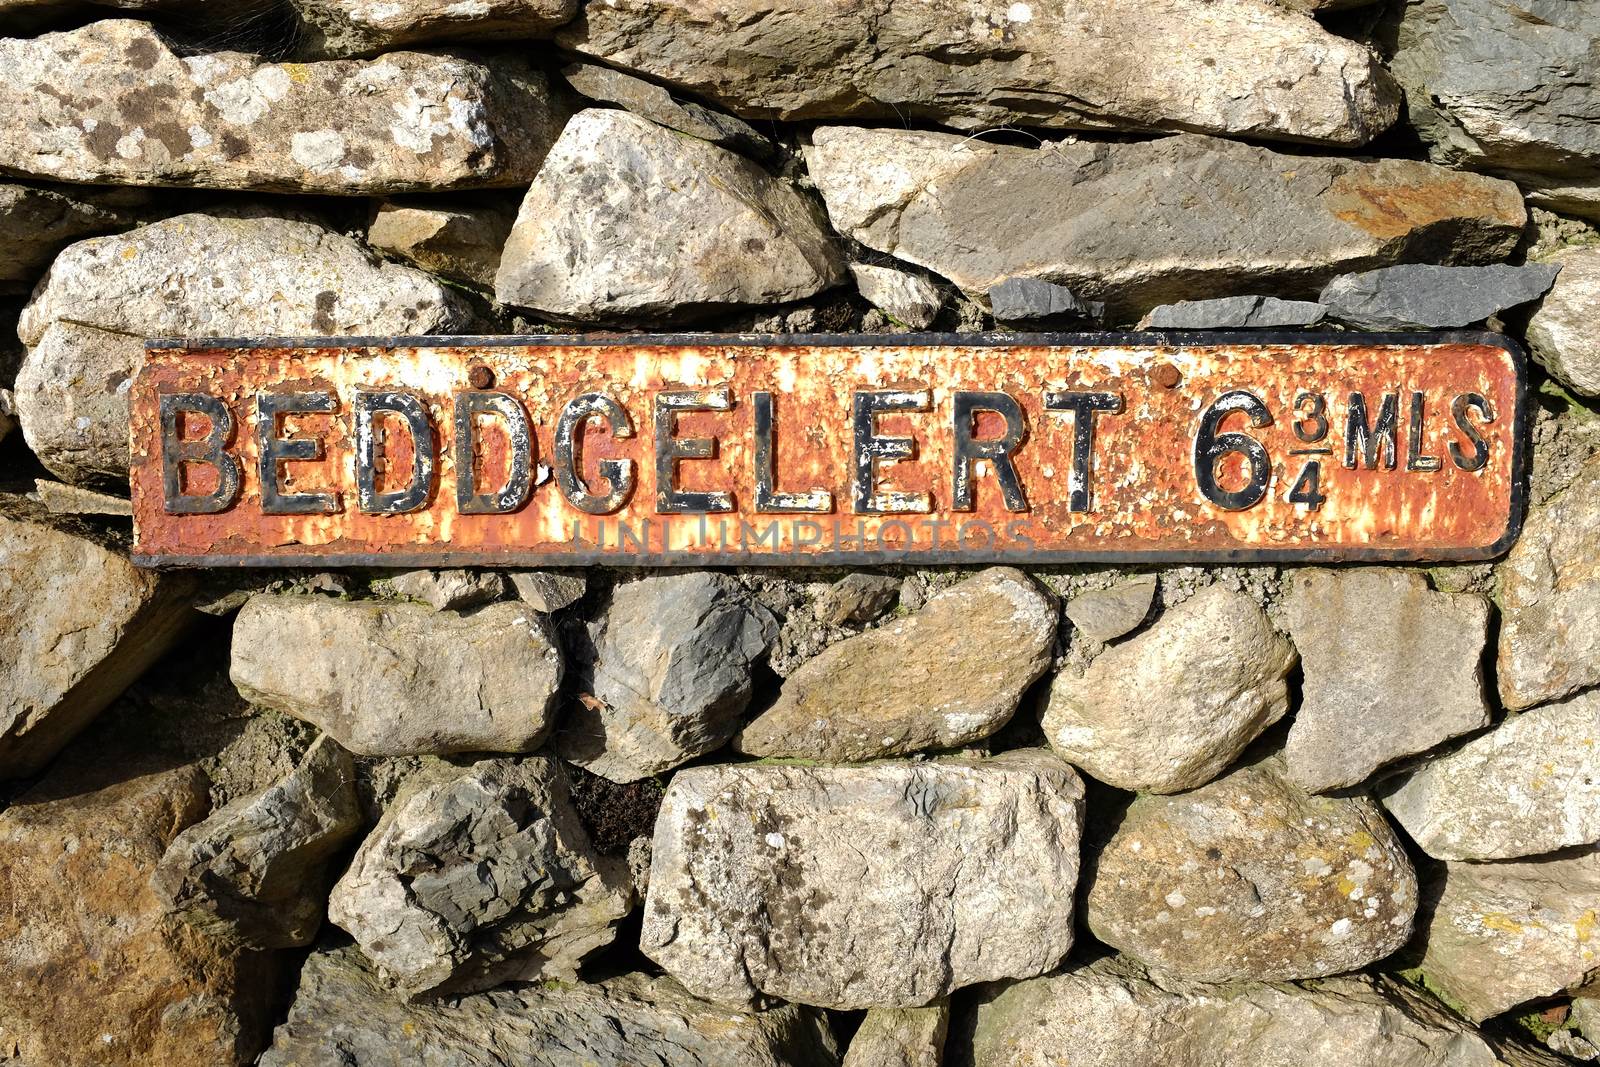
797	450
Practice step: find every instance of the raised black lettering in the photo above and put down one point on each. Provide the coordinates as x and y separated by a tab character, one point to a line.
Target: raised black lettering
1359	434
871	446
997	451
1084	408
1459	407
1415	460
519	443
768	498
569	454
369	406
1210	446
670	500
210	450
275	451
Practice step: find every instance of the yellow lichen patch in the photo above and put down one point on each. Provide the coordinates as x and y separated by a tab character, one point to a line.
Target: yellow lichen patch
1497	920
1586	925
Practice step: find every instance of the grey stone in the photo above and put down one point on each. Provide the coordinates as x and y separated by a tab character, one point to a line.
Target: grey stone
1502	934
192	276
1550	598
460	241
549	591
37	221
1560	333
1107	614
1586	1014
1568	1044
1113	1012
1509	88
59	498
857	598
78	622
1531	785
947	676
450	589
1104	64
884	885
900	1037
671	675
1391	669
909	300
672	227
651	101
397	679
343	1017
1251	878
1426	297
1169	709
252	871
1234	313
359	27
1036	301
114	103
1150	222
480	875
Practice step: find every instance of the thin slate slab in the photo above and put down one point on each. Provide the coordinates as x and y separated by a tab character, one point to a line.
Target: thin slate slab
1419	296
1235	313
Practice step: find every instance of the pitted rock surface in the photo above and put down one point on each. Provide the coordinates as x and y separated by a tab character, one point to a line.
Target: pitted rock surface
37	221
900	1037
360	27
114	103
1150	222
1368	699
666	226
397	679
884	885
1252	879
480	875
947	676
454	589
1103	64
671	674
1559	333
343	1016
1531	785
1169	709
192	276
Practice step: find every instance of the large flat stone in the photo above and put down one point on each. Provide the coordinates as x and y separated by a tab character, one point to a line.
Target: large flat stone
360	27
1245	68
628	220
1560	333
1422	296
398	679
78	623
884	885
37	221
1151	222
114	103
192	276
949	675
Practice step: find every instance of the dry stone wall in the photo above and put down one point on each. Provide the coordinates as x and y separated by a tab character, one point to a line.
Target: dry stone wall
1096	816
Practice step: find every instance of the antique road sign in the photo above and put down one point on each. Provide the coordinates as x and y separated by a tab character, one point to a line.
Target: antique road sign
795	450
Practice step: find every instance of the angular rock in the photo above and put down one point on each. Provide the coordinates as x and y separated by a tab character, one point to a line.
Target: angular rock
650	101
1033	301
1531	785
1252	879
1113	1012
1550	598
947	676
1586	1014
857	598
672	227
457	241
1426	297
1391	669
1502	934
909	300
670	677
886	885
96	972
480	875
450	589
78	622
1171	708
59	498
114	103
1508	88
192	276
549	591
342	1016
1107	614
396	679
355	27
1103	64
1151	222
1234	313
1560	334
900	1037
252	872
36	222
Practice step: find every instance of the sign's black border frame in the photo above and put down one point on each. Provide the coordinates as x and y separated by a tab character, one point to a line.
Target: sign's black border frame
882	558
